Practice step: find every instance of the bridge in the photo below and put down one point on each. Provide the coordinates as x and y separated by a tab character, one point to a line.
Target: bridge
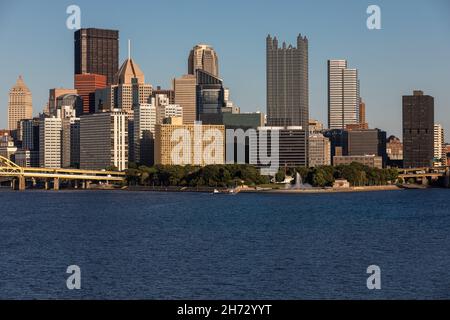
20	175
426	174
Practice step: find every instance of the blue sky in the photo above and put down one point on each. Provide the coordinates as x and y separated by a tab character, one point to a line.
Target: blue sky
412	51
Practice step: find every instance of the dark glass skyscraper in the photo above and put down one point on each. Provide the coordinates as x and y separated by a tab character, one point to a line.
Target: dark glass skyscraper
418	130
97	52
287	83
210	94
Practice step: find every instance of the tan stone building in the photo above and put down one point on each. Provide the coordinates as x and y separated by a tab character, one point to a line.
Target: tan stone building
20	105
185	96
189	144
203	57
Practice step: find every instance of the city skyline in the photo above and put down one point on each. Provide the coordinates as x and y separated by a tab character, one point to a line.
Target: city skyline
381	88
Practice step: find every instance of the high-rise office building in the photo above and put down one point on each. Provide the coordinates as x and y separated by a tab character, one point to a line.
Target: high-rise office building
185	96
418	130
70	156
97	52
343	95
394	152
169	93
50	142
144	133
292	146
287	83
30	134
129	90
439	146
86	86
210	94
319	150
54	94
20	104
104	140
203	57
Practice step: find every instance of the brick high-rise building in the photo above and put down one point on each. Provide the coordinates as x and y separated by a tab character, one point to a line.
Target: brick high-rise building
97	52
86	85
418	130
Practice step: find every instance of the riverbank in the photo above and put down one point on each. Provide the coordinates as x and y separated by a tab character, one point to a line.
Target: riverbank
327	190
277	190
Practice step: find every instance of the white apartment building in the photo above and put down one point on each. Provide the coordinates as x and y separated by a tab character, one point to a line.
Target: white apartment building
50	142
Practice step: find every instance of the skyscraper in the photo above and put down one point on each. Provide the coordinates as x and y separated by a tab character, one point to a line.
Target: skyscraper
20	104
185	96
50	142
104	141
343	95
86	85
287	83
129	89
144	131
210	94
418	130
97	52
203	57
439	146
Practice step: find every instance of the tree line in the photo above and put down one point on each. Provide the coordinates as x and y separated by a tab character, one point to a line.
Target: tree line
236	174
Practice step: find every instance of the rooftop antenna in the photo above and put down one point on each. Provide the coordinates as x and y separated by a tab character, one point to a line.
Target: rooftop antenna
129	49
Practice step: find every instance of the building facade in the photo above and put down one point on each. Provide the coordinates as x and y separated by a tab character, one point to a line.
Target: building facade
70	142
291	151
440	156
203	57
189	144
185	89
144	123
319	150
97	52
343	95
104	141
50	142
86	86
418	130
371	161
20	104
287	83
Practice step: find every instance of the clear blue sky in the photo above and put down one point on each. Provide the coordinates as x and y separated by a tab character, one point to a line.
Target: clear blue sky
412	51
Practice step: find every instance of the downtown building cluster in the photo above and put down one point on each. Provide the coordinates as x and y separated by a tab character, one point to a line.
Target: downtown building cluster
112	117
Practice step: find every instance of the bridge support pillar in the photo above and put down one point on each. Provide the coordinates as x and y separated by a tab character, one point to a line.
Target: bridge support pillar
21	183
13	184
55	183
46	184
447	178
425	181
